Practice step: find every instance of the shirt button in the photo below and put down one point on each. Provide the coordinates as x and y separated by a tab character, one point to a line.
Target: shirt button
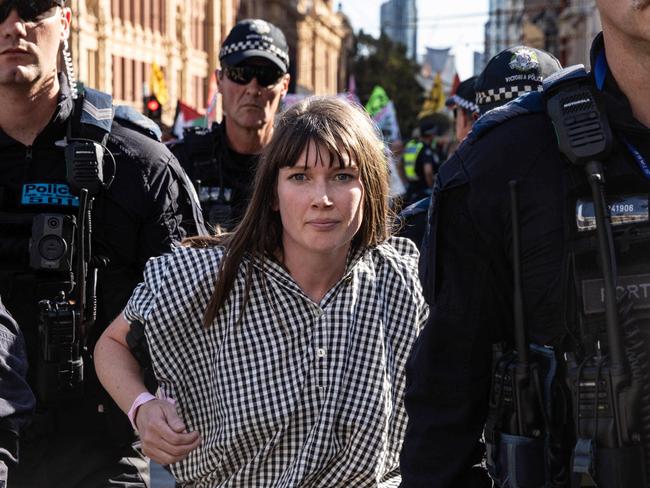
318	312
320	352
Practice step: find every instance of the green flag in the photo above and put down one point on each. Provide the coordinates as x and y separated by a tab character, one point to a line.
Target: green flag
377	101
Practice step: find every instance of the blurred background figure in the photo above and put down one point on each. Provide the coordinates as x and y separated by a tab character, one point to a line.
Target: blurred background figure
463	105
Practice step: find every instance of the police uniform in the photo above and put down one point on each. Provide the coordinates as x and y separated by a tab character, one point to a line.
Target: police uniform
87	441
223	178
468	271
16	398
416	155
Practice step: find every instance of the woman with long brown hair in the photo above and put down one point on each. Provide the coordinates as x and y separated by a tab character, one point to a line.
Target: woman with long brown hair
280	348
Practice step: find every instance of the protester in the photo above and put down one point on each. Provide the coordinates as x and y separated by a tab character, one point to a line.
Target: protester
290	334
252	81
16	398
562	254
69	263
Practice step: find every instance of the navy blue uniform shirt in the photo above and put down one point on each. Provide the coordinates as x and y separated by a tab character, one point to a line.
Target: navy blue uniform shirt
467	278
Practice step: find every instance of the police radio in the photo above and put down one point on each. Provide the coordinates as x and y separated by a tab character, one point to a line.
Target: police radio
518	422
605	395
84	166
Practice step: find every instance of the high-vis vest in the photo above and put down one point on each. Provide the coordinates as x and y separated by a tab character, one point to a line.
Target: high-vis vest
411	152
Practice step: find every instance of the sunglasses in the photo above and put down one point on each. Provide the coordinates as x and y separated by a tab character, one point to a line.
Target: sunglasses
243	75
28	10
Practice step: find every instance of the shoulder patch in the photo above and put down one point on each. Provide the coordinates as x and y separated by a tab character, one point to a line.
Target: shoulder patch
530	103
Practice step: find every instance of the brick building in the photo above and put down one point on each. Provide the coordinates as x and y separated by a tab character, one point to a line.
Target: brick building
115	42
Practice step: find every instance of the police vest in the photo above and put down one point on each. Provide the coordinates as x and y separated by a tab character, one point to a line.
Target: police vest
573	385
410	157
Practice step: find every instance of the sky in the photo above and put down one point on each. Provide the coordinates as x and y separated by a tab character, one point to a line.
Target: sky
458	24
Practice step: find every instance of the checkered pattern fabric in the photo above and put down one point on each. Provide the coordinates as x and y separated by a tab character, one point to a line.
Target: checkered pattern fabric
287	392
466	104
504	93
254	44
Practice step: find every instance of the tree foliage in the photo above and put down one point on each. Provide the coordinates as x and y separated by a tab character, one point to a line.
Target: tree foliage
384	62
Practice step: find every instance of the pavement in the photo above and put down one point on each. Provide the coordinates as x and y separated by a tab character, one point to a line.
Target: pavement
160	478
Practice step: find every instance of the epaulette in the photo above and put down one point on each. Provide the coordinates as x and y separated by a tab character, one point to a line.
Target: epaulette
419	207
530	103
131	118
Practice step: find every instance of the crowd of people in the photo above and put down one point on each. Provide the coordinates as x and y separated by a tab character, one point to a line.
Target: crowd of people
245	307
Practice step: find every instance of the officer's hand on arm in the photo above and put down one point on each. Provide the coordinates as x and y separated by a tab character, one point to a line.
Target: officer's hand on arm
163	434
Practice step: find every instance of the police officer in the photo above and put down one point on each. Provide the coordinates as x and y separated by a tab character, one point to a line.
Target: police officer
252	81
511	73
419	160
469	275
463	104
413	219
499	83
16	398
83	194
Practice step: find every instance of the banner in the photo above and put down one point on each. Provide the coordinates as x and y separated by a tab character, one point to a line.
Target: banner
377	101
158	85
436	101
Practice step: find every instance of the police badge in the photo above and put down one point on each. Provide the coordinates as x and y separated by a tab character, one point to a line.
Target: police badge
524	59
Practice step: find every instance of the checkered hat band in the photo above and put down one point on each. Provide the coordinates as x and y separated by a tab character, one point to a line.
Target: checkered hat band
504	93
254	45
466	104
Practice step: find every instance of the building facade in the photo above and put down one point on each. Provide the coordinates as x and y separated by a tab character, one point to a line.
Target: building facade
114	44
579	24
399	21
319	37
564	28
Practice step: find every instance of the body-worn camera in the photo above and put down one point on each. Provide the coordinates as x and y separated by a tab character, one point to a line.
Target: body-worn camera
52	242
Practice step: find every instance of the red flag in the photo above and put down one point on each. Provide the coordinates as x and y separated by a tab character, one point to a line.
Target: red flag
454	85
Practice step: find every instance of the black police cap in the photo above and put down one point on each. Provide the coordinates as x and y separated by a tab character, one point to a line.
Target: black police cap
255	38
465	96
511	73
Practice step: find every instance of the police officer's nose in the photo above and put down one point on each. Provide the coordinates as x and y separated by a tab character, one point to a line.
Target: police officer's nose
254	87
13	26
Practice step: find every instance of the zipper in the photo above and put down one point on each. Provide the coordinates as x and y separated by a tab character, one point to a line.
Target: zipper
28	154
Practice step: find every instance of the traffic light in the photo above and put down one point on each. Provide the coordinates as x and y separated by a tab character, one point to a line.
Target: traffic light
152	108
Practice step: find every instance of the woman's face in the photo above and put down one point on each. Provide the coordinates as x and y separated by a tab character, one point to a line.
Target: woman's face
320	205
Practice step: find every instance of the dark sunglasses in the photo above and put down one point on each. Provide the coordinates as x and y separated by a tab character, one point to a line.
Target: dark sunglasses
28	10
243	75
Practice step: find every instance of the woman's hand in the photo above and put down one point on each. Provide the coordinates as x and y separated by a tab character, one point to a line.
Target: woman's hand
163	434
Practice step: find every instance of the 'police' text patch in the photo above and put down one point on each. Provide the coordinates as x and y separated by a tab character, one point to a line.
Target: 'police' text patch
48	194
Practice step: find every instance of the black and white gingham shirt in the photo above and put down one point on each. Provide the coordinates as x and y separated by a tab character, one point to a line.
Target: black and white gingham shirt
296	393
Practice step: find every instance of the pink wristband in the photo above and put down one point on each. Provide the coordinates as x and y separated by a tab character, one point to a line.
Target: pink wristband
141	399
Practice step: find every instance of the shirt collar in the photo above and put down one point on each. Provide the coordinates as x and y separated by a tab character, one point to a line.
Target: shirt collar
619	111
277	272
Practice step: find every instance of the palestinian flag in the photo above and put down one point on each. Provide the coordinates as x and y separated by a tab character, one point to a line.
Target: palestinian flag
186	116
